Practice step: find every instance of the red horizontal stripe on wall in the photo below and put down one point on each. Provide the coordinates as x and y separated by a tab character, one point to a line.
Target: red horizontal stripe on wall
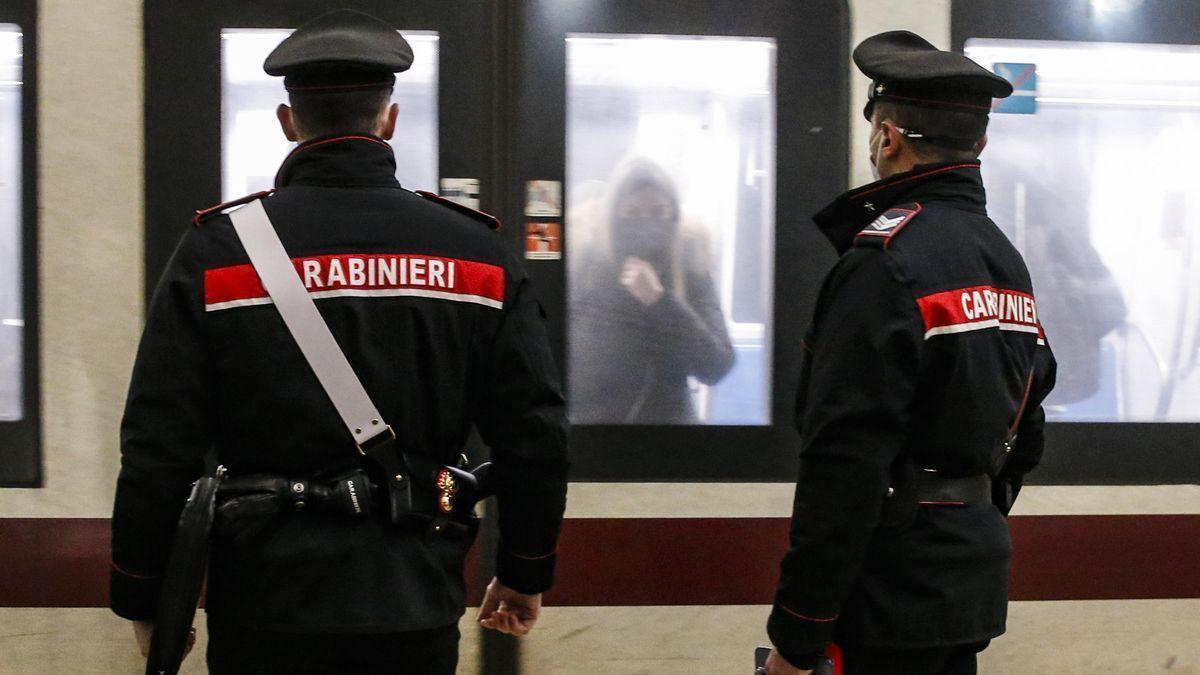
1106	557
57	562
64	562
668	561
54	562
735	561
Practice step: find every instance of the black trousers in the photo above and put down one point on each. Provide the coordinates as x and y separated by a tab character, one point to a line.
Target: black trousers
234	650
954	660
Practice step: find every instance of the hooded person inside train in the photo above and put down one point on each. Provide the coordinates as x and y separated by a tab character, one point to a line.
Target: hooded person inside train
645	316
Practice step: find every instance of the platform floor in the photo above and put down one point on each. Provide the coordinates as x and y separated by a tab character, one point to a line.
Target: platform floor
1128	636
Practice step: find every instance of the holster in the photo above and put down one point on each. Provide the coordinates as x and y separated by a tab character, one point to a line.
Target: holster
424	490
394	475
184	577
457	493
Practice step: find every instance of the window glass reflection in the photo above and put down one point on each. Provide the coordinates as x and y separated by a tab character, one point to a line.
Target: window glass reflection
252	144
1098	188
12	317
670	229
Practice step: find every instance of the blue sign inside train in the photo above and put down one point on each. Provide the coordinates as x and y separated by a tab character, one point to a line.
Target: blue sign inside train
1024	80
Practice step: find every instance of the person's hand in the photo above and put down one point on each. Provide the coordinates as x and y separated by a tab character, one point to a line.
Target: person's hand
639	278
777	665
508	611
144	632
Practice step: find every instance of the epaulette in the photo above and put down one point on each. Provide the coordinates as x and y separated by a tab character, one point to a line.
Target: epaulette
213	210
487	219
883	229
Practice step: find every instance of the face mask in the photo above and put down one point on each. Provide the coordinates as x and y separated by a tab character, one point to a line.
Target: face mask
646	238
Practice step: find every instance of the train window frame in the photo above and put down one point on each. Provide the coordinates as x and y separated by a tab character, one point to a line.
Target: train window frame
1130	453
724	241
20	440
812	150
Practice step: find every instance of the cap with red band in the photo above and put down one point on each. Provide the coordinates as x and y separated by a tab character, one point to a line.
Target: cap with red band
906	68
341	50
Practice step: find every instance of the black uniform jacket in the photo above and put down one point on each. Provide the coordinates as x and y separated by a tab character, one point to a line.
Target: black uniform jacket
924	352
438	320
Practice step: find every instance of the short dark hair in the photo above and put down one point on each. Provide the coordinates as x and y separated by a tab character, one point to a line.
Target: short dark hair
935	122
321	113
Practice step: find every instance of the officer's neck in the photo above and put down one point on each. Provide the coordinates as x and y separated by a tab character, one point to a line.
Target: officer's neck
903	162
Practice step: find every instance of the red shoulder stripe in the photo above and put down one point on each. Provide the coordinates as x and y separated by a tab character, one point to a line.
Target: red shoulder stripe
487	219
204	213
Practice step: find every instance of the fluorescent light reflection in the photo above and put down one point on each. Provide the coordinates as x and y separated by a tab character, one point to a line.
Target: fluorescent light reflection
252	144
12	335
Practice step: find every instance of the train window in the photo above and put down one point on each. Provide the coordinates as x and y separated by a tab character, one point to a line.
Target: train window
252	144
1096	185
670	228
12	318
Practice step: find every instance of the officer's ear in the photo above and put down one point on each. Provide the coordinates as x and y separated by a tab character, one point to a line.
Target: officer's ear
287	122
893	141
389	122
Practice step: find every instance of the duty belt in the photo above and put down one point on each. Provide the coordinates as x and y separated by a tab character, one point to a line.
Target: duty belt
934	488
445	499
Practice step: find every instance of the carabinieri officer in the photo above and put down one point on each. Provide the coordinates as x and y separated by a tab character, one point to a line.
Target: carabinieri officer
920	405
440	323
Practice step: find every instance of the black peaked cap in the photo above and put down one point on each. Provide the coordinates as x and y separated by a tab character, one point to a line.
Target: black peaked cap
340	49
906	68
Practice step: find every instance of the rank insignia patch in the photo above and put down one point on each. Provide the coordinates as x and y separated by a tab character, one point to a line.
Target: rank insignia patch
883	228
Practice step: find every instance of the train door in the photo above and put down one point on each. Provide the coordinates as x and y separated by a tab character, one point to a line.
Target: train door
666	158
1087	171
1107	219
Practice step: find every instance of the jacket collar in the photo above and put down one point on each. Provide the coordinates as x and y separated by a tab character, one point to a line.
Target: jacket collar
958	182
353	160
